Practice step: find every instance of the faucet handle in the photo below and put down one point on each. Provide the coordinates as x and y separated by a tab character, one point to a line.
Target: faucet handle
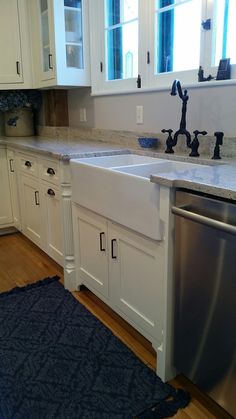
167	130
196	132
169	141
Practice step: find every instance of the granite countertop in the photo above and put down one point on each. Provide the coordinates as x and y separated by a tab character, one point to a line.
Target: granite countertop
62	149
213	177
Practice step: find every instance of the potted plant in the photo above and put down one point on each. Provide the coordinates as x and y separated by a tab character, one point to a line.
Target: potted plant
18	107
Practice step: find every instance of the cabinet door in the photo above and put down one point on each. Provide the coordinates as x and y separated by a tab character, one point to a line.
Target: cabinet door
10	46
13	188
31	211
90	236
53	220
46	39
5	202
72	42
136	279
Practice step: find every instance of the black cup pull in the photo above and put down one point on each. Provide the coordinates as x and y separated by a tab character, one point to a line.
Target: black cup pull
112	249
102	235
50	171
28	163
51	192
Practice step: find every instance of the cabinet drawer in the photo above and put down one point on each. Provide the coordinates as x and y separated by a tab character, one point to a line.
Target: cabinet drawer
28	164
49	171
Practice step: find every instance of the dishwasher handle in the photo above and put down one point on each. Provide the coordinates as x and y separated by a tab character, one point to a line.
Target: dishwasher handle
184	212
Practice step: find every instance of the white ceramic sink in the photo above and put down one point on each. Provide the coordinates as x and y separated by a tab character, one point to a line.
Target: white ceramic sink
160	166
118	187
117	160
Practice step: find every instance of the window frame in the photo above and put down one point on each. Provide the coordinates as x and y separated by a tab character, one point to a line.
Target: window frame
149	81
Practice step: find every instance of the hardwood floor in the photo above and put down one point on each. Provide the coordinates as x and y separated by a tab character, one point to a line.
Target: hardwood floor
21	263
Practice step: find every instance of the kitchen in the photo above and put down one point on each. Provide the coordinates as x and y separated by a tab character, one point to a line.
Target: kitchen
105	117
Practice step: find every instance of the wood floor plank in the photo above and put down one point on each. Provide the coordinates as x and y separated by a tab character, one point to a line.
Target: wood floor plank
21	263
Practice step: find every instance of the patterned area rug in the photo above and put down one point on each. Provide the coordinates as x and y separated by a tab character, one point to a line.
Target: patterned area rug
58	361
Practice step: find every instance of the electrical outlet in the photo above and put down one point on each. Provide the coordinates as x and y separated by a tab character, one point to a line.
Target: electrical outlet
82	115
139	114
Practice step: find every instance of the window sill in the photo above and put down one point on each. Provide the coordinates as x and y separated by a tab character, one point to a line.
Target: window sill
206	84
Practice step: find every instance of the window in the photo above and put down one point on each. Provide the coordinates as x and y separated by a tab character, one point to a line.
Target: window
224	31
159	40
121	35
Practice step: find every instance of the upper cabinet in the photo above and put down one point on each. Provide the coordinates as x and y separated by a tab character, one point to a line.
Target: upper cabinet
60	42
15	63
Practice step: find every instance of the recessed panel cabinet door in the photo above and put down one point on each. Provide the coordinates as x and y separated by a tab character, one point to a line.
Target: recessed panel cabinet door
6	216
32	221
90	236
11	70
53	220
136	278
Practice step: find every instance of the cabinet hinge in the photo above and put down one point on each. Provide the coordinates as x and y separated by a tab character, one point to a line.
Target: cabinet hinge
139	81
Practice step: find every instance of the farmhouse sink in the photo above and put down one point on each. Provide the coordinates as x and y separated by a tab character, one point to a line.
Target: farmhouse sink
118	187
158	167
117	160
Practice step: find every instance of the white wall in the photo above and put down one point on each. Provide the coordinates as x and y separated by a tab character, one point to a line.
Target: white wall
209	108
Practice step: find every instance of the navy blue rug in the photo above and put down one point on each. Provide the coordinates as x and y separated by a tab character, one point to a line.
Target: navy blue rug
58	361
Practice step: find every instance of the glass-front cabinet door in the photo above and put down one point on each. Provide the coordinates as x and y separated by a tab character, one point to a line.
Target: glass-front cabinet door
73	33
47	50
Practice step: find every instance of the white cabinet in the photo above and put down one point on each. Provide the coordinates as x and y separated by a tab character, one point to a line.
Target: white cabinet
40	203
122	267
6	217
51	204
32	220
91	248
60	40
15	63
14	188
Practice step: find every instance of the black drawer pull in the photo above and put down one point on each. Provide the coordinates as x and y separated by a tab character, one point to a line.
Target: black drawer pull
51	192
18	67
36	197
102	249
51	171
28	163
11	165
50	62
112	249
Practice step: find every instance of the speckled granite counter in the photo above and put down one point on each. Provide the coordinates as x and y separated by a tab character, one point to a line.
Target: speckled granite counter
219	178
61	149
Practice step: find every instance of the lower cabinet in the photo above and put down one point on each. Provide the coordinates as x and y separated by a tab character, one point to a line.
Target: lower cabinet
31	210
40	204
122	267
6	216
51	206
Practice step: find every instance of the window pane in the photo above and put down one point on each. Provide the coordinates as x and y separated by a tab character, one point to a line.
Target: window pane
120	11
178	31
121	34
225	30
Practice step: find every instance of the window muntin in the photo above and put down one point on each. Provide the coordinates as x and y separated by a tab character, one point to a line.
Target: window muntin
224	31
177	35
121	39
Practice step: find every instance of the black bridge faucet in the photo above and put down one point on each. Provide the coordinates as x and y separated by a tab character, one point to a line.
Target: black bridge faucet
182	127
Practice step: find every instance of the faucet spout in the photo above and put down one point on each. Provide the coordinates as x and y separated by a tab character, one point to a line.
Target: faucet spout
176	86
184	97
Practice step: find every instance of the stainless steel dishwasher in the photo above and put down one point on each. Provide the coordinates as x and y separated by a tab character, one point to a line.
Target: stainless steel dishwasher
205	295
